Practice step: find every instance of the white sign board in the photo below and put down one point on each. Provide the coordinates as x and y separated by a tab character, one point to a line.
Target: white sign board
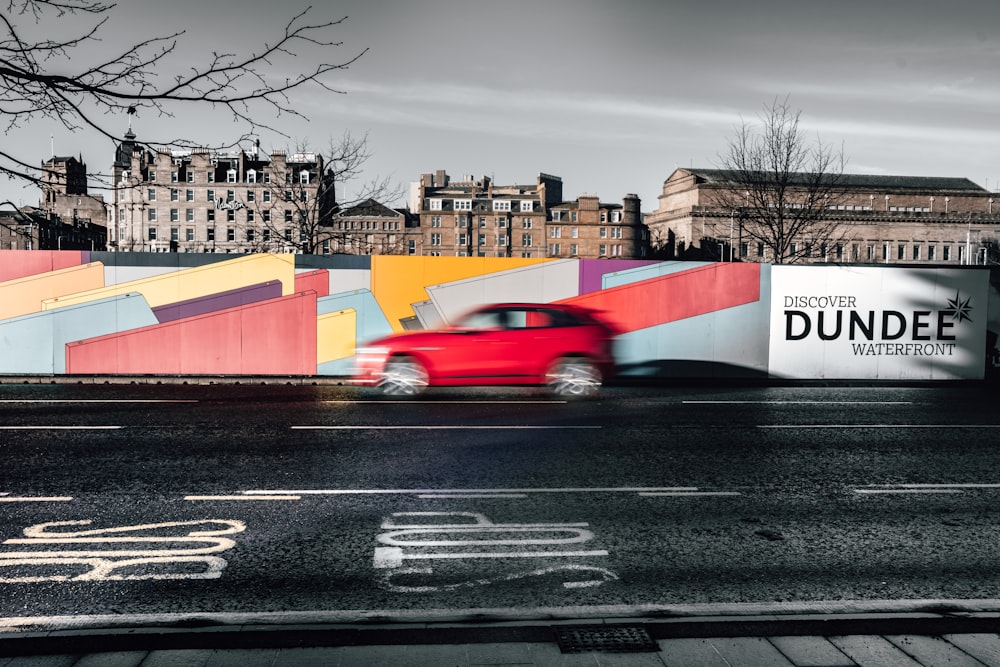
878	323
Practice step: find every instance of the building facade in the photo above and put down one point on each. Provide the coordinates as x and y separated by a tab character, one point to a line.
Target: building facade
64	192
371	228
208	201
478	218
30	228
880	219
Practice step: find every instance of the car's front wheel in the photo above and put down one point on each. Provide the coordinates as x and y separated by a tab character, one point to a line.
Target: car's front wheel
403	376
574	377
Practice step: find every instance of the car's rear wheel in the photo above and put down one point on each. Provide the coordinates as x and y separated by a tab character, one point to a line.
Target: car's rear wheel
574	377
403	376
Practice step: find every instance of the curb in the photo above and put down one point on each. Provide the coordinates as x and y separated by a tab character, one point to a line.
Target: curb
739	623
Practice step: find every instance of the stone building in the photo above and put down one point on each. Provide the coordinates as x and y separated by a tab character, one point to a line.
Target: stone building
209	201
479	218
64	191
29	228
880	219
371	228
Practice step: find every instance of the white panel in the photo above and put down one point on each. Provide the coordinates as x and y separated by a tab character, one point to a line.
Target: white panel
878	323
539	283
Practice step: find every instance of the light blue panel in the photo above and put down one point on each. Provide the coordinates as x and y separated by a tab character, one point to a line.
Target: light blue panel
36	343
372	322
539	283
641	273
338	367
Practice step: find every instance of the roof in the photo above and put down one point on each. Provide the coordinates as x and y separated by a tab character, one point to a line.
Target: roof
864	181
369	209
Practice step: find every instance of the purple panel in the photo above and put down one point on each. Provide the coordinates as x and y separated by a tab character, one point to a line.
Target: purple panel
240	296
591	270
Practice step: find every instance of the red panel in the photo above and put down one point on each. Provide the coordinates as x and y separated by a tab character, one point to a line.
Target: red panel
317	281
274	337
16	264
676	296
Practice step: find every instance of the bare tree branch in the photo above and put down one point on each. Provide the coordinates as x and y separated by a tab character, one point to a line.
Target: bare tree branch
782	187
56	78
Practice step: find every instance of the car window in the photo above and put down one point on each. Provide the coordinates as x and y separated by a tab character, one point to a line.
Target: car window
486	319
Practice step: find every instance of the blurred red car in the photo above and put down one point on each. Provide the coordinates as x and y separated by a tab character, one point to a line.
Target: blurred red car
565	347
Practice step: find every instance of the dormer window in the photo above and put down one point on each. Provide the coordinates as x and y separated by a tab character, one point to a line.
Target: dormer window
463	204
304	177
230	176
434	204
501	205
251	176
527	206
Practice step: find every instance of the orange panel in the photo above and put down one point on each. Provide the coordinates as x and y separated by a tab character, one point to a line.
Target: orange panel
273	337
676	296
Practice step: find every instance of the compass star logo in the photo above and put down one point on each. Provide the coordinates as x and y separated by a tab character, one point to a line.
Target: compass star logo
959	308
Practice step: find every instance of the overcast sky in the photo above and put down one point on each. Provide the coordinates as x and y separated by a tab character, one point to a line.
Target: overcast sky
610	95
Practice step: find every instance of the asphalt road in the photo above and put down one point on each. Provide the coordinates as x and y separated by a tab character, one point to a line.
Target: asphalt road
146	499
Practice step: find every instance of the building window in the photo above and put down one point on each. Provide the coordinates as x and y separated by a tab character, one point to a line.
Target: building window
189	215
304	177
554	249
190	176
435	221
555	232
250	215
265	215
211	234
189	195
211	195
463	204
152	176
211	215
501	205
435	239
152	215
526	223
946	253
230	195
525	239
288	215
152	234
230	234
527	206
174	234
267	196
174	194
574	232
267	234
573	250
230	215
603	233
602	250
251	195
930	253
412	246
900	252
230	176
916	252
251	235
173	177
251	176
189	234
572	216
174	215
556	216
210	177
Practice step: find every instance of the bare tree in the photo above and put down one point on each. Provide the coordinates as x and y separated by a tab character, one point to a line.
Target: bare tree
49	70
781	188
311	202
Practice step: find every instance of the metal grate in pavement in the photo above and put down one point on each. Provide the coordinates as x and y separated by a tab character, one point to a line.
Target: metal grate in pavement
604	638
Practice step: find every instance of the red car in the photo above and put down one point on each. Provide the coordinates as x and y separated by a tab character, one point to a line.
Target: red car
565	347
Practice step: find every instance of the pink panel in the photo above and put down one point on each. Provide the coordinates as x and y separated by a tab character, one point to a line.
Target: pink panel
676	296
317	281
274	337
20	263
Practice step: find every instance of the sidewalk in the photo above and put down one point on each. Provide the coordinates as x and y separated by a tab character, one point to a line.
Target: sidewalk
803	640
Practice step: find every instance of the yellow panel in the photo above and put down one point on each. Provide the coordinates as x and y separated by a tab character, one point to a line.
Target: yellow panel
398	281
23	296
335	335
195	282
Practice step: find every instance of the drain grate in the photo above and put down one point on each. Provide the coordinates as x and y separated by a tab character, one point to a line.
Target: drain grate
604	638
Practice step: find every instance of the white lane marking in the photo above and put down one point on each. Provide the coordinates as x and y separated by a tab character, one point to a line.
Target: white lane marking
682	494
4	498
901	426
100	550
392	557
472	495
798	402
96	400
60	428
462	427
470	402
264	498
348	492
961	485
872	492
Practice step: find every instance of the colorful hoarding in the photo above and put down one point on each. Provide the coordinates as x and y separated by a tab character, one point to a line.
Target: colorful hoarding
187	314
